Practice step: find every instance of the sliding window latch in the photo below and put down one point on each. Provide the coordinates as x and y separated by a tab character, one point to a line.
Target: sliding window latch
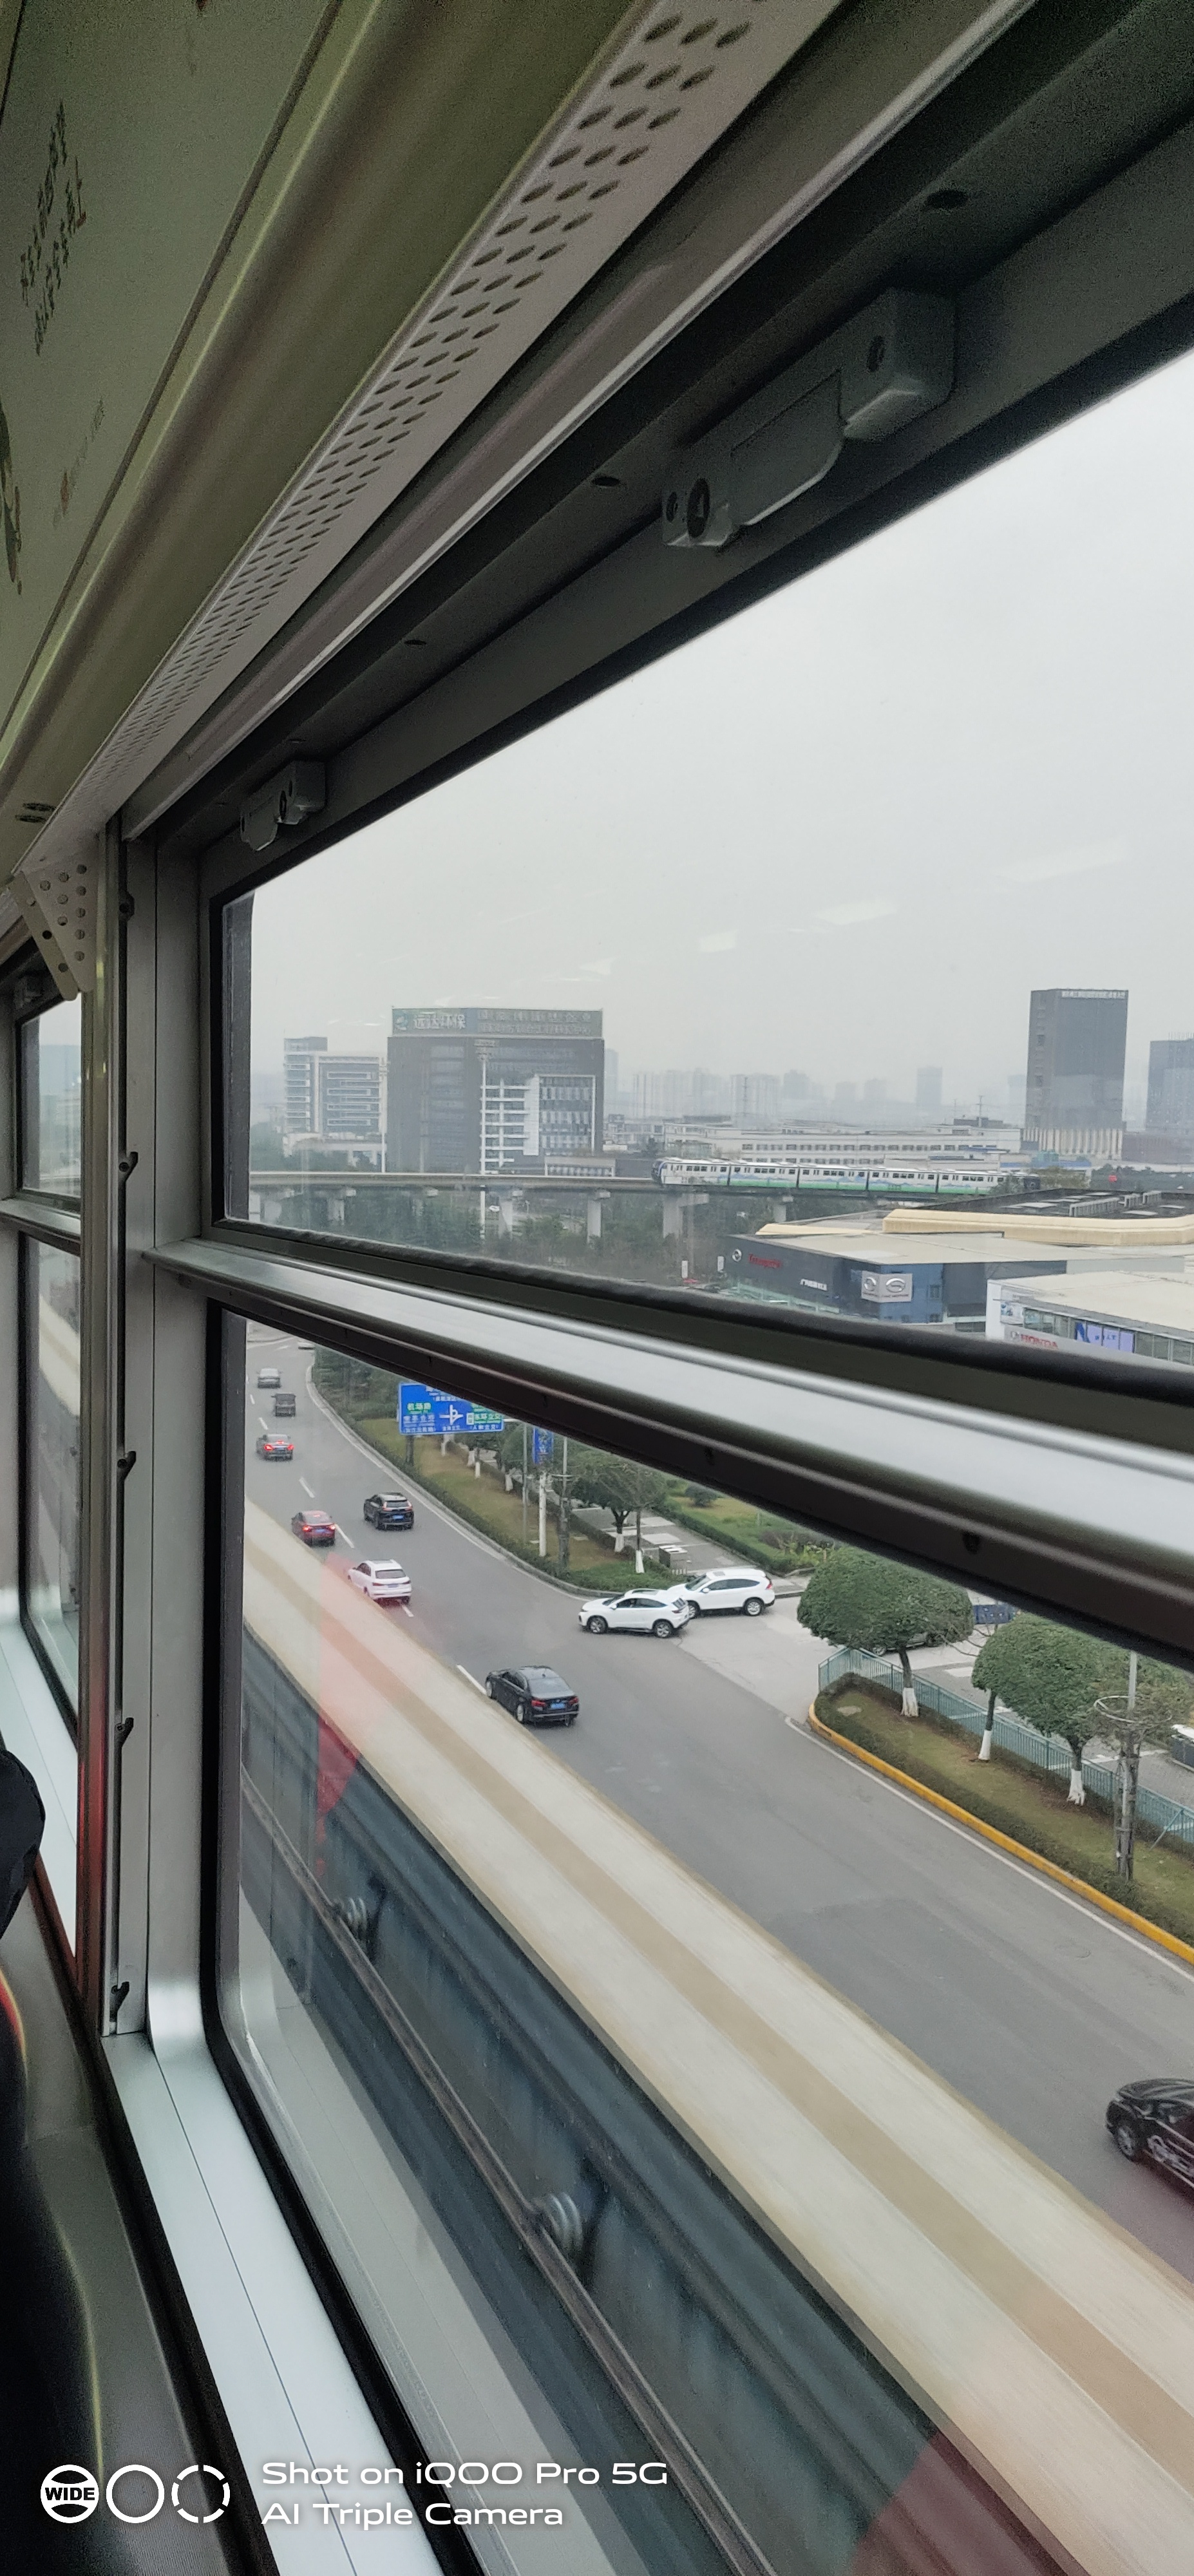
286	801
893	362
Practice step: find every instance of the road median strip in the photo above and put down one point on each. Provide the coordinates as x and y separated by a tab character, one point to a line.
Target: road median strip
991	1833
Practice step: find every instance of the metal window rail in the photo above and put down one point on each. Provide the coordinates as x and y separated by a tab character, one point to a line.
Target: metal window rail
1098	1530
1013	1735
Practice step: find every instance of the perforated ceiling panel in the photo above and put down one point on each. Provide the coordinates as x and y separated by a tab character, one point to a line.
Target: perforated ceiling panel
661	96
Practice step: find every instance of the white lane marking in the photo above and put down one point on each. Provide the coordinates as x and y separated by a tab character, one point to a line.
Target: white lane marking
471	1677
1036	1878
344	1535
309	1490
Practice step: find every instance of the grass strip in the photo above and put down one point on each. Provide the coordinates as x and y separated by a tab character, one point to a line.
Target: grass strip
1017	1800
484	1505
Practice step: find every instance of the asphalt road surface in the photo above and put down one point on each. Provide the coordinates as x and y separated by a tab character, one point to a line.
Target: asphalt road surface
1033	2005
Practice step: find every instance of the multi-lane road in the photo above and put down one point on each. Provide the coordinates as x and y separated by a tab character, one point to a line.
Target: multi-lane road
1032	2004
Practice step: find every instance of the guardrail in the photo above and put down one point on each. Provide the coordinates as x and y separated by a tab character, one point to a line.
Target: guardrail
1011	1733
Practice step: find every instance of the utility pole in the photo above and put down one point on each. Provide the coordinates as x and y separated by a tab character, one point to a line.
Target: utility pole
524	1484
543	1511
1127	1780
563	1508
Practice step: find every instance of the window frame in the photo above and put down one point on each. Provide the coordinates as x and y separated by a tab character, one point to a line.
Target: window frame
29	1244
69	1201
155	1282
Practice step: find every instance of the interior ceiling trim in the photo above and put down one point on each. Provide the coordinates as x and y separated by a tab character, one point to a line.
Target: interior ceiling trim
661	97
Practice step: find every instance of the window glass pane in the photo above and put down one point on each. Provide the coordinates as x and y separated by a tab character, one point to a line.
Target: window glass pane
51	1101
628	2027
839	920
51	1397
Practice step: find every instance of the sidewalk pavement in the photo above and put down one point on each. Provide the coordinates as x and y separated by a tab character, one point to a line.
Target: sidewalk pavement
698	1553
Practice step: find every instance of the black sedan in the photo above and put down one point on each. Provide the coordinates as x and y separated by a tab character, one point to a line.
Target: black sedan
389	1511
1154	2121
535	1695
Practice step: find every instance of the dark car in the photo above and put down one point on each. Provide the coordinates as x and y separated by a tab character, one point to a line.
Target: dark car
535	1694
1154	2121
275	1444
389	1511
284	1406
314	1528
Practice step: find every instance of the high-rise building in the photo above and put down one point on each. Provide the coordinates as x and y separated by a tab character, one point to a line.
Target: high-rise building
1170	1110
1074	1082
300	1110
928	1086
611	1078
331	1100
478	1090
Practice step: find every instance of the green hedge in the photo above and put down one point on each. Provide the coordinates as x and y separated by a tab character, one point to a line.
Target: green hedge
773	1550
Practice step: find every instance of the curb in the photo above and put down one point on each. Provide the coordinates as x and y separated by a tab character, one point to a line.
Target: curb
1020	1851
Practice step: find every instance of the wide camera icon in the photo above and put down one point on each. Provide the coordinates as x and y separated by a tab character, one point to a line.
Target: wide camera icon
70	2493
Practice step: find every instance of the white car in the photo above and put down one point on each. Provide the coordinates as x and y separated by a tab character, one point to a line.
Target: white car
380	1579
730	1587
647	1614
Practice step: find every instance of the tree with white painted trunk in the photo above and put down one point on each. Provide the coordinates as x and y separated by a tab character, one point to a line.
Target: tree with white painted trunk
884	1609
1050	1676
620	1487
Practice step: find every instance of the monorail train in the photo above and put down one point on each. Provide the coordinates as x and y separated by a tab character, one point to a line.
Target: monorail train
789	1172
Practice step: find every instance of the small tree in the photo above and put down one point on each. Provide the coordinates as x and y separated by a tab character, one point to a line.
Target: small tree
884	1609
617	1486
1051	1676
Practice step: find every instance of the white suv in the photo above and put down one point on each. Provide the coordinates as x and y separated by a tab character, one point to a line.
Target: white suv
380	1579
731	1587
647	1614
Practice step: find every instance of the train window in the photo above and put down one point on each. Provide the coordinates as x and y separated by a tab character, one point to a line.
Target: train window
822	913
600	1986
50	1517
51	1101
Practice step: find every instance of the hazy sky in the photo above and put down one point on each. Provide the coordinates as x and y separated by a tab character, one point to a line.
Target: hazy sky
848	831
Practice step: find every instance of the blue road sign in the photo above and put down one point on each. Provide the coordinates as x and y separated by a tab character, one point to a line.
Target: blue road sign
542	1445
422	1409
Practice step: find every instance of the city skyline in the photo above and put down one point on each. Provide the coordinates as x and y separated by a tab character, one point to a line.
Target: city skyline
851	828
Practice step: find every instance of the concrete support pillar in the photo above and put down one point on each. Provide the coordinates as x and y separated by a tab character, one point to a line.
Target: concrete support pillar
593	1220
673	1215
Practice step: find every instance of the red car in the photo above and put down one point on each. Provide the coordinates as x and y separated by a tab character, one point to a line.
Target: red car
274	1444
314	1528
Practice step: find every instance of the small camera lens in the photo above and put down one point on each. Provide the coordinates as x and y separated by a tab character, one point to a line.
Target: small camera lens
699	505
